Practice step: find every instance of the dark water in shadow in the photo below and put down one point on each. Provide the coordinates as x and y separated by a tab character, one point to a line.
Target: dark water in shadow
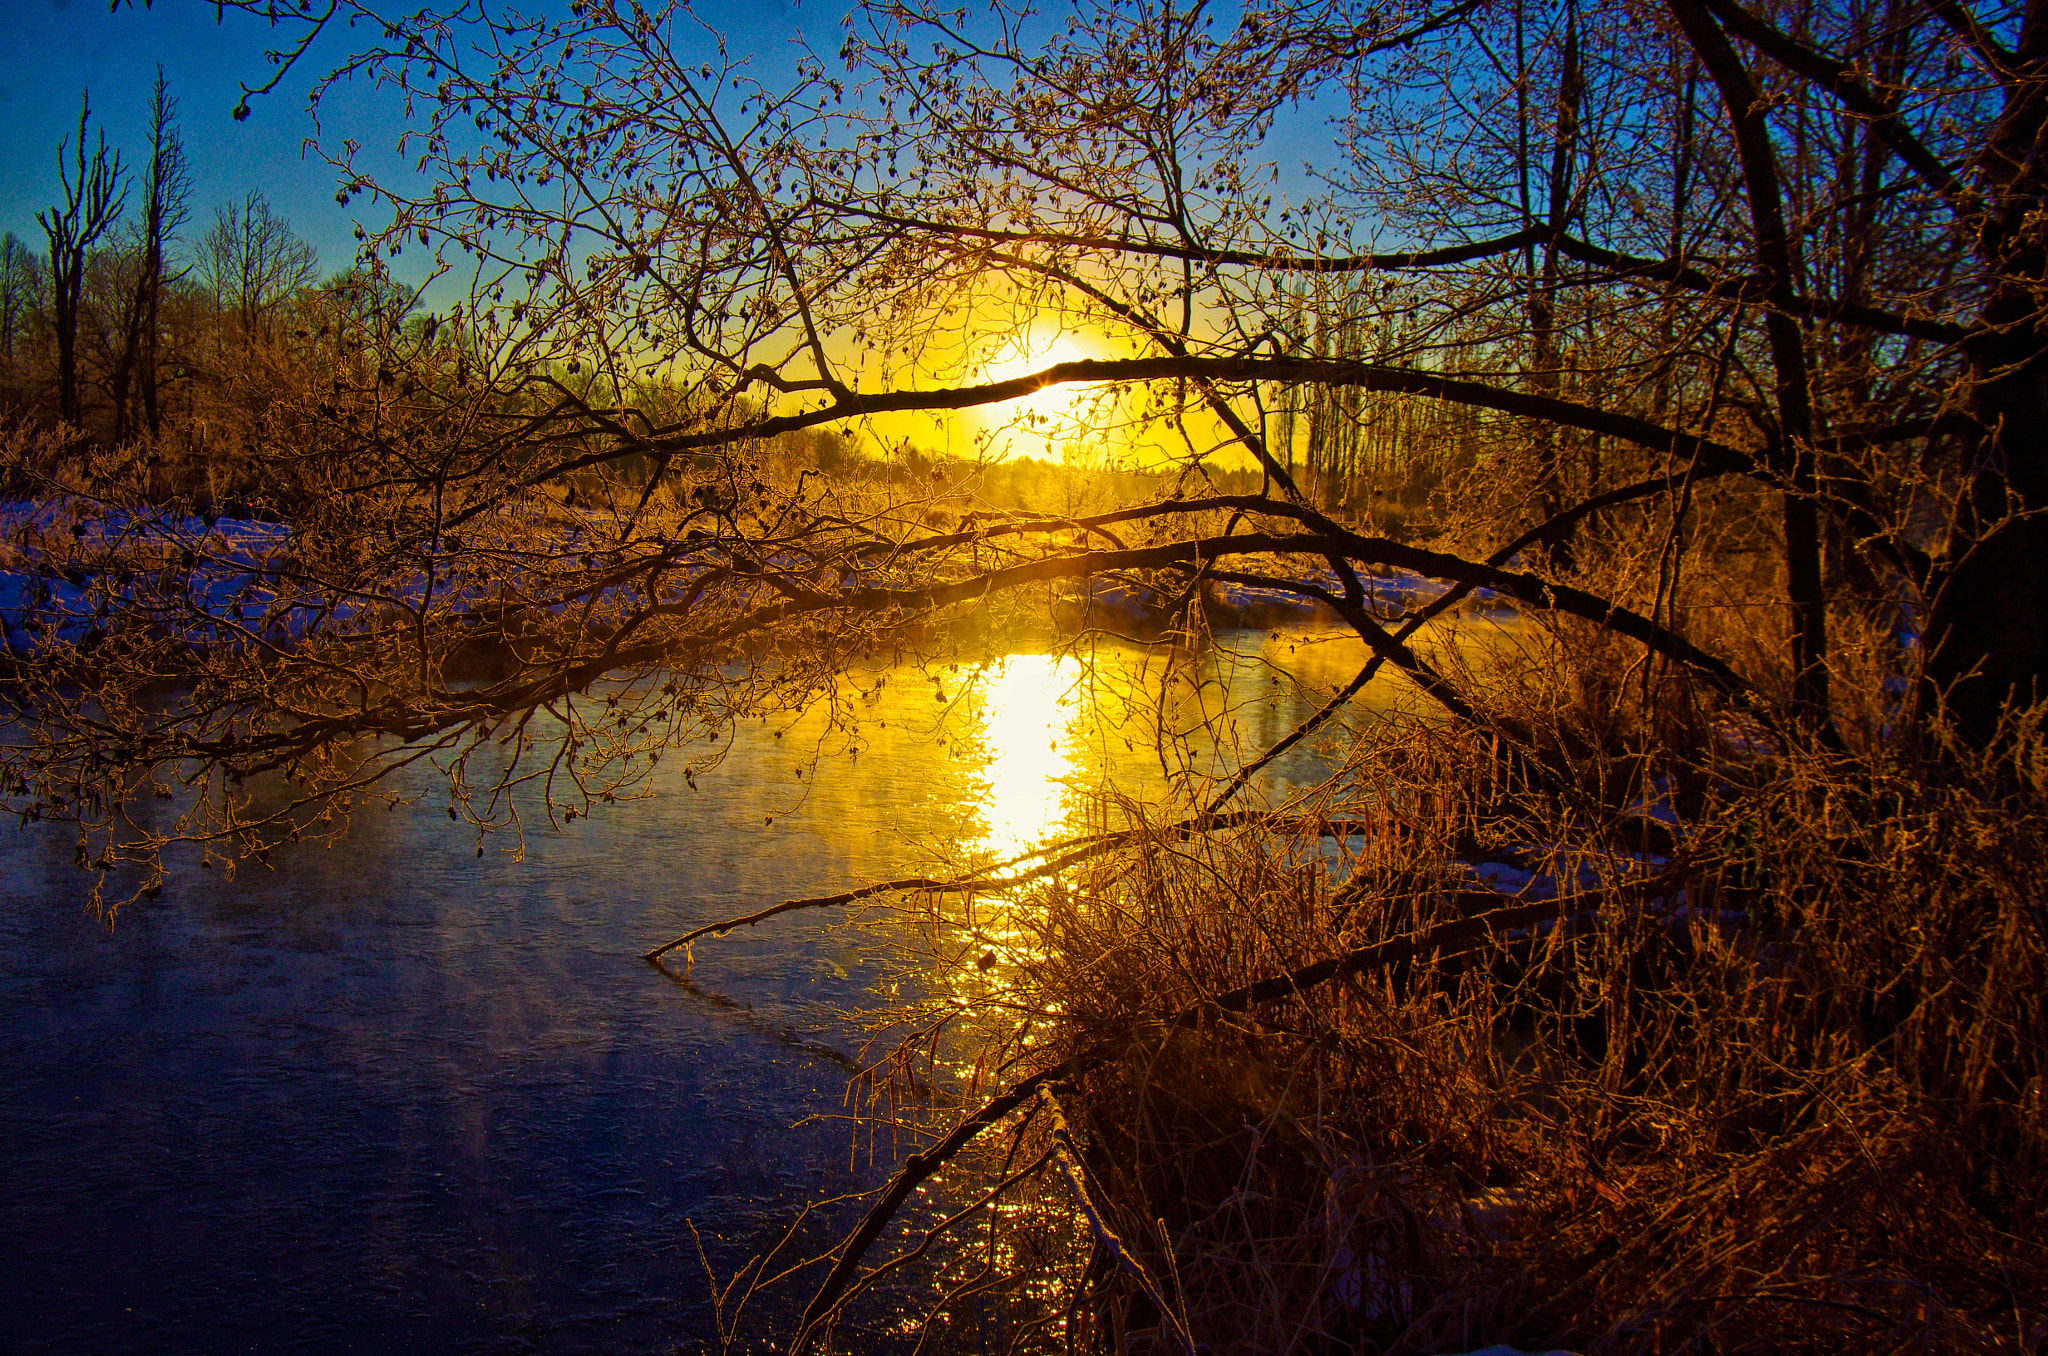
392	1096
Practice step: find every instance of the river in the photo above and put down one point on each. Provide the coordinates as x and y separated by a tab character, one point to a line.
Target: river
393	1096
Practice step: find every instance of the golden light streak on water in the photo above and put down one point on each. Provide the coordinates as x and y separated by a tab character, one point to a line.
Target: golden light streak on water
1031	709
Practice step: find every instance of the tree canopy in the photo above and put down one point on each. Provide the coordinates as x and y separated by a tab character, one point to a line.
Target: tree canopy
1708	335
1701	283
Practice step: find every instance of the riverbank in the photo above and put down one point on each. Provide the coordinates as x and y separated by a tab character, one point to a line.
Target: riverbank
1775	1086
74	575
1508	1032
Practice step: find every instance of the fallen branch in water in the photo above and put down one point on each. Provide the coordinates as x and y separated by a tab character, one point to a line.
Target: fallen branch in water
912	1174
1072	851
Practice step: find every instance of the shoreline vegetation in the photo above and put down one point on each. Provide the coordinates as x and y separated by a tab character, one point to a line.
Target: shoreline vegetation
1673	980
1525	1068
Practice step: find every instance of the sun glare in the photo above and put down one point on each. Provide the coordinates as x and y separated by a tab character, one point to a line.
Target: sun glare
1030	351
1029	708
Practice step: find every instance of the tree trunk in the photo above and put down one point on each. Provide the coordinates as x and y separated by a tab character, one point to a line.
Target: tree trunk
1987	624
67	274
1794	458
122	379
1546	377
151	368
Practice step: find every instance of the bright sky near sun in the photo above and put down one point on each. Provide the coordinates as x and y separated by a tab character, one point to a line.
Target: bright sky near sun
52	51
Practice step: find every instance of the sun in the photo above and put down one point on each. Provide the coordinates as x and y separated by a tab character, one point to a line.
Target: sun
1032	350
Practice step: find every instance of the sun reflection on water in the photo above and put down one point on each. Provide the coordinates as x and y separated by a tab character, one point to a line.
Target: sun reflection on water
1030	705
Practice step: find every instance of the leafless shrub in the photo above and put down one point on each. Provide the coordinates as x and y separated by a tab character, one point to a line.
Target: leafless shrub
1789	1099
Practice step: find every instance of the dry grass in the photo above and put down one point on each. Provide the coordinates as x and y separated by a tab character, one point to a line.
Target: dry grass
1789	1099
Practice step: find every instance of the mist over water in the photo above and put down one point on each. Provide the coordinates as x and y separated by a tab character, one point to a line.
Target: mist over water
391	1095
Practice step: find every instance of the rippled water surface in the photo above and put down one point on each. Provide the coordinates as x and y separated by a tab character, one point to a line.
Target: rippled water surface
394	1096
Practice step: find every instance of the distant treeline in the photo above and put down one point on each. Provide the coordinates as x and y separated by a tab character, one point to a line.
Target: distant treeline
131	325
134	324
126	309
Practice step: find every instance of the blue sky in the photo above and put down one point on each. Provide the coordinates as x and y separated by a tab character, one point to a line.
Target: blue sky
57	49
52	50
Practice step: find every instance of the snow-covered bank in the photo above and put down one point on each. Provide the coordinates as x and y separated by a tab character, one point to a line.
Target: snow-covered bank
70	575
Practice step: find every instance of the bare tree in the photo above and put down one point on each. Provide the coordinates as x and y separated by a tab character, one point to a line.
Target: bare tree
252	262
21	291
674	266
93	200
165	188
1734	314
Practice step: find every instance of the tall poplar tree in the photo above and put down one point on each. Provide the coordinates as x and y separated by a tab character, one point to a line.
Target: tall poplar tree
166	187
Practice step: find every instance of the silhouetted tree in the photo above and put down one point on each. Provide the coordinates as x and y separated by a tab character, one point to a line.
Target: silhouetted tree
21	291
93	199
252	262
165	188
1705	301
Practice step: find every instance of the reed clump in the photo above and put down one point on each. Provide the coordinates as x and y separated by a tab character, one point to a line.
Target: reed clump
1771	1079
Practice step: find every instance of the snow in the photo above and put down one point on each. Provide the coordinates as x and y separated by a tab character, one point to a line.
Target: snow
209	582
1509	873
1392	591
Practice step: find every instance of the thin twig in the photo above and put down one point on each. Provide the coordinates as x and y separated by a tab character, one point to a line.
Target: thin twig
1445	939
1071	852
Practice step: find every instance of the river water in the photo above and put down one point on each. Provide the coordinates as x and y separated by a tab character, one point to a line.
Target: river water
393	1096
